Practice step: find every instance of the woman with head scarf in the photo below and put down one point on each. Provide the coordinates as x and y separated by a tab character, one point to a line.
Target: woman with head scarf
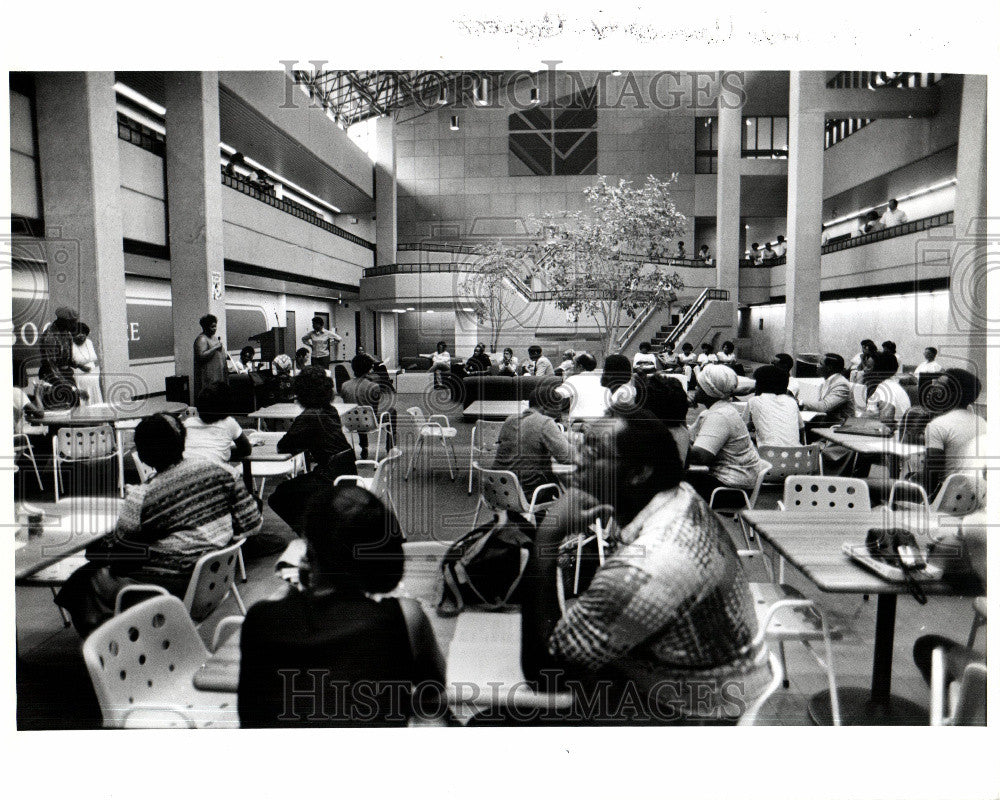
719	437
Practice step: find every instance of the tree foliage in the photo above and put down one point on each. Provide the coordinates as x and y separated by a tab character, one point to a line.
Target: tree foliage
489	285
597	260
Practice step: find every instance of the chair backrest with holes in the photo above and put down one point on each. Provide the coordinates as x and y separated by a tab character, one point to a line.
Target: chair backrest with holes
502	490
380	481
81	444
819	493
211	580
957	496
487	434
787	461
145	654
359	418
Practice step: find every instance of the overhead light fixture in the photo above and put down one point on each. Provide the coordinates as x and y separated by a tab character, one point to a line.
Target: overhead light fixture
749	121
142	100
534	94
616	72
483	92
442	95
454	123
430	310
900	198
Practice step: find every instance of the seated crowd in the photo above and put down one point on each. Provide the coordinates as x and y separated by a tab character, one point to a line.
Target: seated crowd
664	631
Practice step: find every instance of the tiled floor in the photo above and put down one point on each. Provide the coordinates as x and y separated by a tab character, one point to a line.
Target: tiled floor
54	691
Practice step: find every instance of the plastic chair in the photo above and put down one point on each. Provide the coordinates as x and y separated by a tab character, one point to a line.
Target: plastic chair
978	620
210	584
957	496
437	431
501	492
142	663
145	472
485	435
749	501
960	702
22	446
361	419
581	541
821	493
378	484
75	445
271	469
787	461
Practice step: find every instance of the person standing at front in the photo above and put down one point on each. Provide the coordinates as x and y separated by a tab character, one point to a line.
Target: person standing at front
319	340
209	355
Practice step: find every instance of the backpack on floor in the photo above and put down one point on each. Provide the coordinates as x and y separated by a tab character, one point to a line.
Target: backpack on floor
484	567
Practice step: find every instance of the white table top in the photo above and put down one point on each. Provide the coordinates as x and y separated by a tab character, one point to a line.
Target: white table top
292	410
871	445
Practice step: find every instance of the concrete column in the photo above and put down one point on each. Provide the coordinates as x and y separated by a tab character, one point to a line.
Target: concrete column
385	191
388	338
965	345
727	205
194	208
805	211
81	195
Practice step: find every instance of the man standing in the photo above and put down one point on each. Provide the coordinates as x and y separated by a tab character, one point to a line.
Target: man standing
209	355
319	339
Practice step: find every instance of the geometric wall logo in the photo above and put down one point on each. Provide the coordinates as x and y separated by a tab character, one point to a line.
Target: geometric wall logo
555	140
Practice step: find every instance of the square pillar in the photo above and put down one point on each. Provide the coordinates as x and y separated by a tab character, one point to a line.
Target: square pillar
194	209
727	203
385	191
81	196
805	211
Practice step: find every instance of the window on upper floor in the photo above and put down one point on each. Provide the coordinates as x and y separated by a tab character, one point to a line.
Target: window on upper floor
559	139
706	145
765	137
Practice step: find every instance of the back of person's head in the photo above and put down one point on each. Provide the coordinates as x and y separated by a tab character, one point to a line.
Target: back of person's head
754	246
569	355
585	362
687	347
534	352
302	352
953	388
666	399
361	365
340	375
706	347
780	238
884	365
889	346
645	347
159	441
546	398
313	388
784	361
728	346
644	443
213	402
770	379
867	346
354	540
834	363
617	371
931	351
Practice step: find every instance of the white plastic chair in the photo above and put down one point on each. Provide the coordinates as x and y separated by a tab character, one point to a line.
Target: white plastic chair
978	619
437	428
501	492
378	483
210	584
581	541
142	663
959	702
272	469
361	419
145	472
957	496
785	461
749	501
485	435
822	493
76	445
22	446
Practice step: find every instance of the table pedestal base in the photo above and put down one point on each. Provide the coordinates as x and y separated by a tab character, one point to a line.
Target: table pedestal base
858	708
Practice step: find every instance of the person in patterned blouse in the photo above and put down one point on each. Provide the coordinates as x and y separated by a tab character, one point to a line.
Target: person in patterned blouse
664	632
187	509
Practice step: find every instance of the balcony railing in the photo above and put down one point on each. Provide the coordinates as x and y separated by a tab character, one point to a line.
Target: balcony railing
873	79
290	207
917	225
134	132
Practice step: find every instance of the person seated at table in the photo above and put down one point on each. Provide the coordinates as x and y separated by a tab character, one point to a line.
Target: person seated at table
187	509
707	355
245	365
282	368
355	657
862	361
537	364
887	400
645	360
667	621
666	399
587	397
213	434
727	355
362	390
668	359
530	441
930	365
479	363
719	437
954	426
834	402
302	359
317	432
687	357
787	363
26	408
508	364
565	368
774	414
440	362
340	376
